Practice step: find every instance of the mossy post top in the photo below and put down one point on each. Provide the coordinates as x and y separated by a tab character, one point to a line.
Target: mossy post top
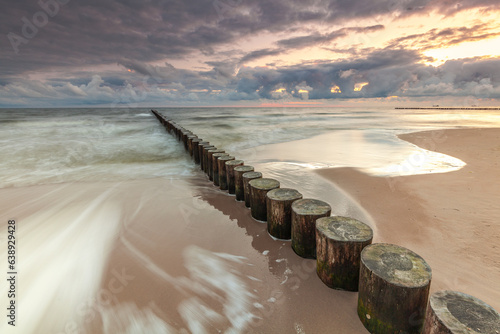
309	206
397	265
234	162
225	158
216	150
462	313
284	194
264	183
251	175
218	155
344	229
243	169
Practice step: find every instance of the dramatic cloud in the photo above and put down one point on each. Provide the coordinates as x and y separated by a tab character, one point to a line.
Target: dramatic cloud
68	52
445	37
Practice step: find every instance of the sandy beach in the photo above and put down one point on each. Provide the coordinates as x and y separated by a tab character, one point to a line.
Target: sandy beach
450	219
178	255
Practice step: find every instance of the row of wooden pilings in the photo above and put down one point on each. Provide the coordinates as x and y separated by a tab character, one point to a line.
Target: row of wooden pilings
393	282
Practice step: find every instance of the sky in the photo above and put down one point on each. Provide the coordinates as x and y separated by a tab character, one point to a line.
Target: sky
162	53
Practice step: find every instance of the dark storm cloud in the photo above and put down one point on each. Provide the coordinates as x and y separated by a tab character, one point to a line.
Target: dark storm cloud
318	39
388	72
89	32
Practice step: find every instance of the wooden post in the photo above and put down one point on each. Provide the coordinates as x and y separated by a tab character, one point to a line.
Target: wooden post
452	312
178	132
205	156
215	166
185	135
211	163
238	181
222	171
258	190
247	177
190	139
304	215
279	212
230	165
394	287
196	150
200	151
339	242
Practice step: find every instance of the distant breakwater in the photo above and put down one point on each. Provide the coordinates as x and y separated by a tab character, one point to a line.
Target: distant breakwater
449	108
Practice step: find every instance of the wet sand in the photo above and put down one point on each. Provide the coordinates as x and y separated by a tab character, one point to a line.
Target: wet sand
159	256
451	219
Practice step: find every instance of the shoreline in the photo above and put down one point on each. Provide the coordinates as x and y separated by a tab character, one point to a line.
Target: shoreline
450	219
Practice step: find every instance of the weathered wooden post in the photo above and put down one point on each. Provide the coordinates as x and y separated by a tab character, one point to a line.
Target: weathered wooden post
247	177
205	156
196	150
452	312
200	151
394	287
215	166
190	139
279	212
178	132
222	171
304	215
185	135
230	165
211	163
339	242
238	181
258	190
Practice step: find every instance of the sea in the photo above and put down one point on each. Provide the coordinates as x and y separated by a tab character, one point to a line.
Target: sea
45	146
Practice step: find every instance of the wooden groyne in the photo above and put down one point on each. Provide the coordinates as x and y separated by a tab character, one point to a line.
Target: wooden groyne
393	282
449	108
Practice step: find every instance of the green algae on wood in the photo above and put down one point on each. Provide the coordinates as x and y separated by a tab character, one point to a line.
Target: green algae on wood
258	190
238	181
304	215
279	211
452	312
339	242
394	288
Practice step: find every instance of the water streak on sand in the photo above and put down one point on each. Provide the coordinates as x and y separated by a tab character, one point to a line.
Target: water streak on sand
212	276
85	232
